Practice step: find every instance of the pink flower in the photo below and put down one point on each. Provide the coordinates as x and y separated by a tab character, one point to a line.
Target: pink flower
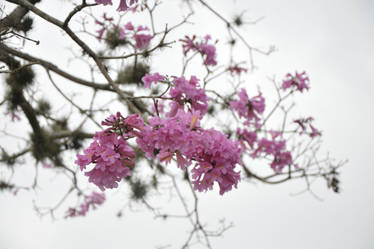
215	156
103	23
142	41
104	2
303	122
281	160
90	202
129	126
250	109
129	26
148	79
123	5
188	92
208	51
112	157
276	148
299	81
246	136
236	69
315	132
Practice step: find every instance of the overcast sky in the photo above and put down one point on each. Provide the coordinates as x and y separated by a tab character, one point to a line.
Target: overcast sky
333	41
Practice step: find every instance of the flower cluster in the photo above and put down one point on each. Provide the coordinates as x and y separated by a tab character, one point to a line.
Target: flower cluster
148	79
299	81
208	51
122	4
112	157
246	138
103	24
180	136
237	69
90	202
142	39
250	109
188	92
303	123
276	148
215	156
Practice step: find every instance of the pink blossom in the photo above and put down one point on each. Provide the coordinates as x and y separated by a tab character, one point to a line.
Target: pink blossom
148	79
276	148
315	132
208	51
250	109
269	147
303	123
142	41
129	126
281	160
300	81
112	157
188	92
215	156
101	31
248	137
104	2
123	5
129	26
90	202
236	69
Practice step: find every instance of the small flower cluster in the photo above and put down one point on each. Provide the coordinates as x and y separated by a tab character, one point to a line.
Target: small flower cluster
112	157
215	156
276	148
180	135
182	92
90	202
250	109
148	79
103	23
142	40
188	92
137	34
122	4
303	123
246	138
208	51
237	69
299	81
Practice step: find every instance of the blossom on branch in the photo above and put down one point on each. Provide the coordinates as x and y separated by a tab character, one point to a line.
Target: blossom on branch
148	79
113	159
299	81
188	92
250	109
90	202
123	6
303	123
208	51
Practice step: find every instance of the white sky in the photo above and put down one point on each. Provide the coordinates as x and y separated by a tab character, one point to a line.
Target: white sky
332	40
